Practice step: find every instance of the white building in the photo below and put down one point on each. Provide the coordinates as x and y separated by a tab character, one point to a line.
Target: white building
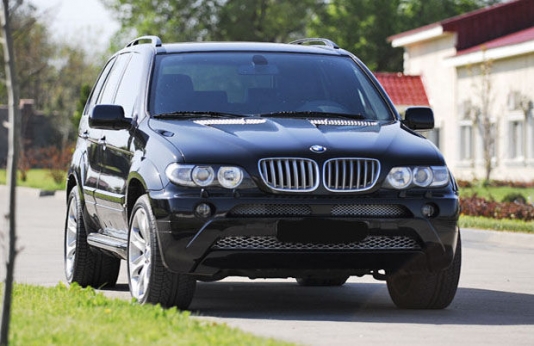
449	56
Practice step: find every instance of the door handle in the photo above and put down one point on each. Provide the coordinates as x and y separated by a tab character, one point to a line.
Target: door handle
102	141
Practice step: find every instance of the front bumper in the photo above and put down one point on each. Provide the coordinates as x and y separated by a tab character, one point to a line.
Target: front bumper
293	237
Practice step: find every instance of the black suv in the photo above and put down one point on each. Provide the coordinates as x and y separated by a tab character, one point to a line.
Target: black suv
198	161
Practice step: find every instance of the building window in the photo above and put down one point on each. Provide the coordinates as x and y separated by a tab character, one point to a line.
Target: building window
516	140
530	138
466	141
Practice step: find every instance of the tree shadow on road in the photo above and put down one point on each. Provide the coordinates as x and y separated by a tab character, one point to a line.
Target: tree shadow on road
361	302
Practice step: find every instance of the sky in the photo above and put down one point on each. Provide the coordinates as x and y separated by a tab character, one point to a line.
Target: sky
77	19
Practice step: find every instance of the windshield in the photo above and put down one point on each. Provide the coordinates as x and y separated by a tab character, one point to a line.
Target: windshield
263	84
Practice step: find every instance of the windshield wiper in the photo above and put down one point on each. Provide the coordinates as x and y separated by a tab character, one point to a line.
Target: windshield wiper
198	114
312	114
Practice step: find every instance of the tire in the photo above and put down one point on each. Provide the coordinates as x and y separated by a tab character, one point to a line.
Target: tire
426	290
149	280
83	266
318	281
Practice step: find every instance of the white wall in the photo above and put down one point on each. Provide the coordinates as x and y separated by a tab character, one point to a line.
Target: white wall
511	79
448	87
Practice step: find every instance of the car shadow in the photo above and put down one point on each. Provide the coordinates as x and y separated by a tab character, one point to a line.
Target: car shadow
361	302
353	302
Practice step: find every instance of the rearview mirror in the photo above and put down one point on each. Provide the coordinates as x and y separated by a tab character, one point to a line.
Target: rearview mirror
109	117
419	118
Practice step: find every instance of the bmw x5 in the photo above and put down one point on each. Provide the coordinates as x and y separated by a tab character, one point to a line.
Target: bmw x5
199	161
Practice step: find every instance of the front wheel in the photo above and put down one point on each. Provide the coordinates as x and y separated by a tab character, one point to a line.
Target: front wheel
149	280
426	290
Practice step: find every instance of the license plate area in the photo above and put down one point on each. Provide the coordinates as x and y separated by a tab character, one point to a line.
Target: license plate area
321	231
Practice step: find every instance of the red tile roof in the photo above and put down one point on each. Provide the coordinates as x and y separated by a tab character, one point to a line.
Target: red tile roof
508	40
403	90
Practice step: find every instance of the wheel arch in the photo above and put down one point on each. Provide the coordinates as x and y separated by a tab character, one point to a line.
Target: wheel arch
136	189
75	174
144	177
71	183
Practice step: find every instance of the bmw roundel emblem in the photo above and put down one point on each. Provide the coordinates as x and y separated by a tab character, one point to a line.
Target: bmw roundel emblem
318	149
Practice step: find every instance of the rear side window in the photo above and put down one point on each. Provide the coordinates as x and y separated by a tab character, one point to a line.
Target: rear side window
107	96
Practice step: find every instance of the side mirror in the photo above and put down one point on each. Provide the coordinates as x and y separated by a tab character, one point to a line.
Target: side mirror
109	117
419	118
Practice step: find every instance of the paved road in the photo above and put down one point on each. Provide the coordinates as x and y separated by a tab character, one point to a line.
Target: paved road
494	304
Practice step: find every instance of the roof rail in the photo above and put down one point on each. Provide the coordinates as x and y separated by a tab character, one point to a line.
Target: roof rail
154	40
324	41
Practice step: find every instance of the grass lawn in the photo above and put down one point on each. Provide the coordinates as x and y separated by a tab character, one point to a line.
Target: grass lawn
496	225
497	193
37	178
64	315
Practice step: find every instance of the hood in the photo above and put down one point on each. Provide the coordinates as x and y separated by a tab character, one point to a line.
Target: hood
234	141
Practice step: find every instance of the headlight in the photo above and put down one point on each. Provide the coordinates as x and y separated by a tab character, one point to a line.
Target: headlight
204	175
405	177
441	176
400	177
180	174
422	176
230	177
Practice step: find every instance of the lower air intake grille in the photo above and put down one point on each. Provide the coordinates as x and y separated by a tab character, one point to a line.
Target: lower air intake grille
271	243
371	210
340	210
270	210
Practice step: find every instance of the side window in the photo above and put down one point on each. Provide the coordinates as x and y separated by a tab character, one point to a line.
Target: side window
98	87
107	96
128	91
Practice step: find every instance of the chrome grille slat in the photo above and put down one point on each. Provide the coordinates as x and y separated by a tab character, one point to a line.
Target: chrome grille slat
290	174
272	243
302	175
350	174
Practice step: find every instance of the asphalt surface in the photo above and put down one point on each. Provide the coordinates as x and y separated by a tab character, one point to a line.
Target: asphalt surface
494	304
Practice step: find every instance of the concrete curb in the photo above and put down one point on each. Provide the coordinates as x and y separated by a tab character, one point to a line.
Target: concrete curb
524	240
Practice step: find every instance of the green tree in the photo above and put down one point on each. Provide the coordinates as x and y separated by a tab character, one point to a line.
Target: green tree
223	20
178	20
51	73
362	26
33	53
72	70
264	20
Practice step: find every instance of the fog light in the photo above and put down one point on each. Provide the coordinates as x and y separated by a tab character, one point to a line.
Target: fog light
429	210
203	210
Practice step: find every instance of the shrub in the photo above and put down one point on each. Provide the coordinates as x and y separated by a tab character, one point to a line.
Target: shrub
52	158
477	206
515	197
